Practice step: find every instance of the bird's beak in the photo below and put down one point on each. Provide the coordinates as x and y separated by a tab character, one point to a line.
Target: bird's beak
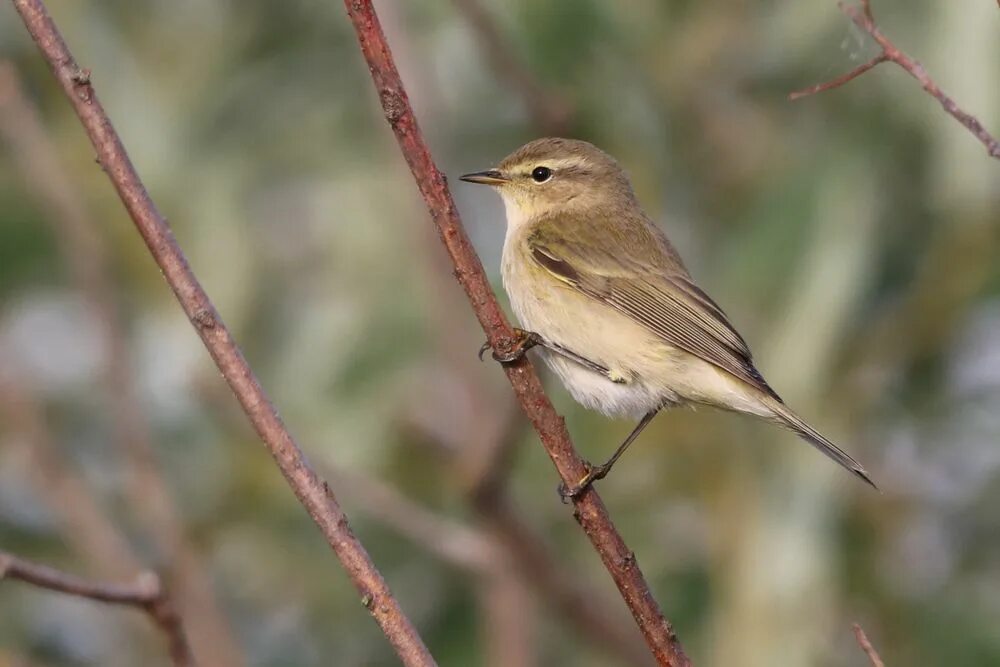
488	177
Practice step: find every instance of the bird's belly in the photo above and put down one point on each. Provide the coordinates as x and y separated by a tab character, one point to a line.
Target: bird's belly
639	361
632	398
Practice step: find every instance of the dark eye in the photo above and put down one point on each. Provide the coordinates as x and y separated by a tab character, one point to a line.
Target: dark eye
541	174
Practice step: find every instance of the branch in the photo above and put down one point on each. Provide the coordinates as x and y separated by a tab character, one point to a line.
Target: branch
312	492
866	646
85	253
147	594
590	511
864	18
840	80
504	539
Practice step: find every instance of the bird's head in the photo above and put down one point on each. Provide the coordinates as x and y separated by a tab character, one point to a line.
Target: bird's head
556	176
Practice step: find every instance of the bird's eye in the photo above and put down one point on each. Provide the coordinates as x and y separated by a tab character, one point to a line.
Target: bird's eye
541	174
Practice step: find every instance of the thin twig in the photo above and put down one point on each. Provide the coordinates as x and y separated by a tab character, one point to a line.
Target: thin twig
85	253
840	80
866	646
550	112
590	511
146	593
863	17
314	494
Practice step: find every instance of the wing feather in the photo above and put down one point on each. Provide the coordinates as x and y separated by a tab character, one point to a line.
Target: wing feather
655	294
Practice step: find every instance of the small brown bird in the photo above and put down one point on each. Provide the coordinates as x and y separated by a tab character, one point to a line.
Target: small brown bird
600	288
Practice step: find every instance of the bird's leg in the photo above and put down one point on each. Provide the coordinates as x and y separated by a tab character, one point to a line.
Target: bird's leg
583	361
525	340
595	473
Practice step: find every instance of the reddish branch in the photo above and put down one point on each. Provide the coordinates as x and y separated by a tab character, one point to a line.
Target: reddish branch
311	491
146	593
590	511
866	646
865	19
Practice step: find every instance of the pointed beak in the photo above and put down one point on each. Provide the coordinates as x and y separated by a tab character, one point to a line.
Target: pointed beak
488	177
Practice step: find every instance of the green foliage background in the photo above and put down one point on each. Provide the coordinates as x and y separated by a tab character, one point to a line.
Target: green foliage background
851	236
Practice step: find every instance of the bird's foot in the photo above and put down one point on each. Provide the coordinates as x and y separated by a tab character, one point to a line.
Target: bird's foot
523	341
594	473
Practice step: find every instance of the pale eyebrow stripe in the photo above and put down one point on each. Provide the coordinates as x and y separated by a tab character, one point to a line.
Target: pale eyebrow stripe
571	164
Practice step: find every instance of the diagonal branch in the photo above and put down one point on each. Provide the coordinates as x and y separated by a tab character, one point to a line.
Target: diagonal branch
866	646
840	80
146	593
312	492
590	511
864	18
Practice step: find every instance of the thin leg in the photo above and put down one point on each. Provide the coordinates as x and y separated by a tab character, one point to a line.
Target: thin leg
595	473
583	361
529	339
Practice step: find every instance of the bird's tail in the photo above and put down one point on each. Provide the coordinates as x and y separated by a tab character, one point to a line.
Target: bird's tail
785	417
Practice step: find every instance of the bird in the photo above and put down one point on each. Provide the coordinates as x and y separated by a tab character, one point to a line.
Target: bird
598	288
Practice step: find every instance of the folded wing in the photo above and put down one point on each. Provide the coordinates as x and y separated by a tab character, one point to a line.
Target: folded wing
637	273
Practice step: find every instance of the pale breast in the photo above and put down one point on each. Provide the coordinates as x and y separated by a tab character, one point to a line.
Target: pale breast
636	357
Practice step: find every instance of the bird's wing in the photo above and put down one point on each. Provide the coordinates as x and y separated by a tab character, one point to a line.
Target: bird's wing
637	272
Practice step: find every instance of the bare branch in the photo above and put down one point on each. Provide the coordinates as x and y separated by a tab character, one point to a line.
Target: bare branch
866	646
312	492
504	538
840	80
865	19
590	511
85	253
146	593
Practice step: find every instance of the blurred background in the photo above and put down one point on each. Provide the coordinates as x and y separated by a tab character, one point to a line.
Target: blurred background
852	237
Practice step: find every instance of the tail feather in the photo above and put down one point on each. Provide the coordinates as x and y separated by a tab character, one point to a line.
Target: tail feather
794	423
